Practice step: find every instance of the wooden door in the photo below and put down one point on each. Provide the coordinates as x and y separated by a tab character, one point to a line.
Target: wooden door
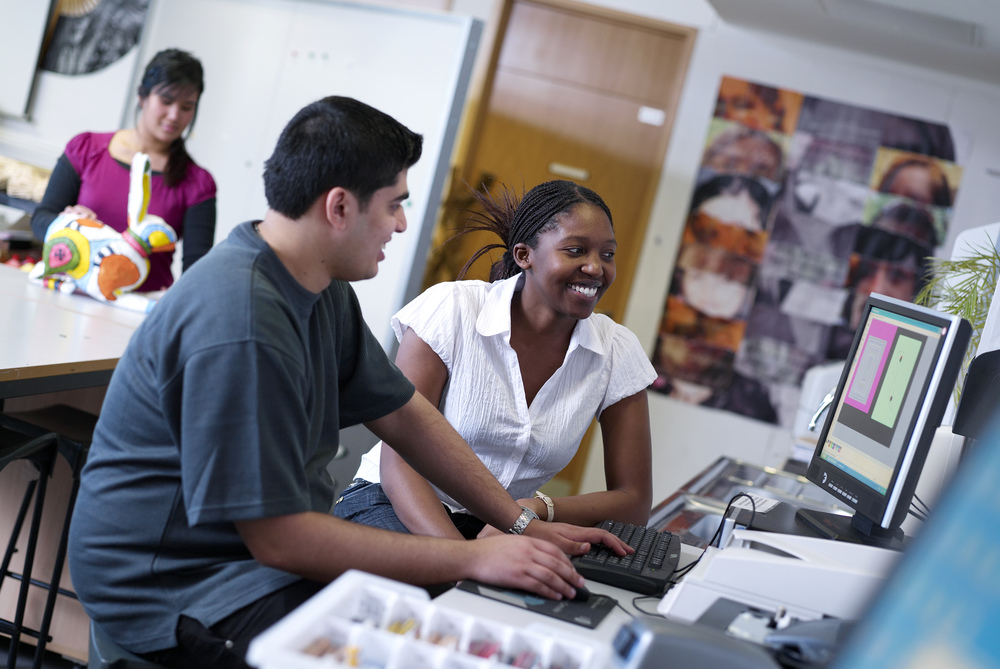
579	93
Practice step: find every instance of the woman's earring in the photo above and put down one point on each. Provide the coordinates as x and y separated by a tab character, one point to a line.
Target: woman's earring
521	256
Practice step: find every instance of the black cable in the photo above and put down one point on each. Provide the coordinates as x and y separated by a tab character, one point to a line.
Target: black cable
917	514
717	537
923	506
635	604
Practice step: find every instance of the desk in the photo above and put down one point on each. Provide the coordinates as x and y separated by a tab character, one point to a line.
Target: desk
486	608
365	620
52	343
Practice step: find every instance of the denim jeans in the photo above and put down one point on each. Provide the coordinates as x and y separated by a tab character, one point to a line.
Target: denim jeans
366	503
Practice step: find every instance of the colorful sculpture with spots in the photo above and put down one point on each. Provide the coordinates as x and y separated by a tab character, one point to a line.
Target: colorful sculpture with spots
84	255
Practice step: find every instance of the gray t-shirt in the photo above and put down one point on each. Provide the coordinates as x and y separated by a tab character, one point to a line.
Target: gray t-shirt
226	406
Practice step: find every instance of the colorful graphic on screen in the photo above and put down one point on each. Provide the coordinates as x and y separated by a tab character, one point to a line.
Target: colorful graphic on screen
882	394
877	395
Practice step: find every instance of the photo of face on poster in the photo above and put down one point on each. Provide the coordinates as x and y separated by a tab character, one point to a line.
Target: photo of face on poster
803	207
758	106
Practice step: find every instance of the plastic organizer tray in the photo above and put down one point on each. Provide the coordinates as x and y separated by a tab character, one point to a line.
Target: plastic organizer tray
370	622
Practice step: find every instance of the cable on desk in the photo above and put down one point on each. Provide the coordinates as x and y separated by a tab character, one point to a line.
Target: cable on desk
717	537
635	604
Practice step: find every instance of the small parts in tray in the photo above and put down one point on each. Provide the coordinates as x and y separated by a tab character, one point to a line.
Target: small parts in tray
342	653
365	622
443	639
526	659
484	648
407	626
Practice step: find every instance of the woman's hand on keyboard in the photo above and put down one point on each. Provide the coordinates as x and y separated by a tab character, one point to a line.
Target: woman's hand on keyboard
525	563
574	539
571	539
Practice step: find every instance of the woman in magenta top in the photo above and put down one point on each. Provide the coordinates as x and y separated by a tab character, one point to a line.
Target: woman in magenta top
91	178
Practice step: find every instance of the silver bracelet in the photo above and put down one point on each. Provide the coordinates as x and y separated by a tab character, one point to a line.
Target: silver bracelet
521	524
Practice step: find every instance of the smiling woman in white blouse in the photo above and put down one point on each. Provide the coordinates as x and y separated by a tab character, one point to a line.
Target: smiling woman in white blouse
520	365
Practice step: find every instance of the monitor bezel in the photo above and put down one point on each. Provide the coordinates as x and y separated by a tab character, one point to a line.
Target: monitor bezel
887	512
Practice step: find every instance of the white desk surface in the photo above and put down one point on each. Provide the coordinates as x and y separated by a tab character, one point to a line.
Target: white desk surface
45	334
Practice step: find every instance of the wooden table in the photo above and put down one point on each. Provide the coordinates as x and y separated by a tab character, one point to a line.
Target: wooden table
52	346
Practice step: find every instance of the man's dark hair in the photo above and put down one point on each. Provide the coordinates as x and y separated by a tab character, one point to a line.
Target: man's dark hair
336	141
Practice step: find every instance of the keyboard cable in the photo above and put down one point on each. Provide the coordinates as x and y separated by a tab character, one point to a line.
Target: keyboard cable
717	537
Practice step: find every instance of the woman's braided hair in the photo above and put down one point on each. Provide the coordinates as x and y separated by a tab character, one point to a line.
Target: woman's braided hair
521	222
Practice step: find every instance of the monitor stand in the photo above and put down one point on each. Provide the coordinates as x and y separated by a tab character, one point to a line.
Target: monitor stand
855	529
787	518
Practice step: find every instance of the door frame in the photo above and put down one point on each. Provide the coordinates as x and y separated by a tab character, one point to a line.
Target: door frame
571	476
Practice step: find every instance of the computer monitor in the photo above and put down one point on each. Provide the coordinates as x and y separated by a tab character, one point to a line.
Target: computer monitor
894	389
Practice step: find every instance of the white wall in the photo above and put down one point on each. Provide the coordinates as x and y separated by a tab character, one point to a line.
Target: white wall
63	106
685	438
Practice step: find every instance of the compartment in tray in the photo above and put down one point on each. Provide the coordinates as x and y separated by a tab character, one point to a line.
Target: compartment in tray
485	640
368	604
445	628
412	654
525	650
406	616
565	656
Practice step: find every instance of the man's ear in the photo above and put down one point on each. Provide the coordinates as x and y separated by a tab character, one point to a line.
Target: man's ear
339	204
522	255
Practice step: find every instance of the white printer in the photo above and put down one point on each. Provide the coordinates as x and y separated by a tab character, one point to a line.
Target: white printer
807	577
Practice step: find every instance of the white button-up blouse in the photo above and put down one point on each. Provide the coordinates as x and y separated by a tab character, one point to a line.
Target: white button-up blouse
467	323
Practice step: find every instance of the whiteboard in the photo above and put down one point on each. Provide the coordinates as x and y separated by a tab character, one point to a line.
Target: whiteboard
266	59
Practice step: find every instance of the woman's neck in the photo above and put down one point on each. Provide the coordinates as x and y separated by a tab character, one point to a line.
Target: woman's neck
540	341
538	321
126	143
149	144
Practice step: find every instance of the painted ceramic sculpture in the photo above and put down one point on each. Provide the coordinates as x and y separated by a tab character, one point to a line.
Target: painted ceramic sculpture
84	255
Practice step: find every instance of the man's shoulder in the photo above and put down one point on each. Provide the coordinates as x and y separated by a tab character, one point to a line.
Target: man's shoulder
215	294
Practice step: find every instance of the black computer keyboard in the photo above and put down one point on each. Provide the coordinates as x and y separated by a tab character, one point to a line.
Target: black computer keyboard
647	571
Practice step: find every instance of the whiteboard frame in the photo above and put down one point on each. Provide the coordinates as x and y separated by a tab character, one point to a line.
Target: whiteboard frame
20	47
254	71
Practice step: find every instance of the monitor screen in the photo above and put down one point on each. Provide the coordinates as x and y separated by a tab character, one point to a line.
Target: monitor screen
892	393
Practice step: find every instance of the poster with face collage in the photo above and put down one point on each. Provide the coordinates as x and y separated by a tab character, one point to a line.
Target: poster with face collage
802	207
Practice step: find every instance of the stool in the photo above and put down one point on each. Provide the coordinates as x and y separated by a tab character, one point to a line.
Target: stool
70	431
106	654
41	452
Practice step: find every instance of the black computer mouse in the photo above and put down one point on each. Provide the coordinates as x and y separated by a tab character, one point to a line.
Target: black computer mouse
582	594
